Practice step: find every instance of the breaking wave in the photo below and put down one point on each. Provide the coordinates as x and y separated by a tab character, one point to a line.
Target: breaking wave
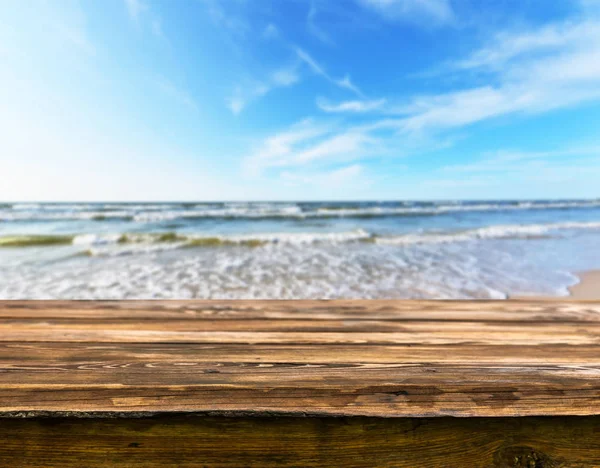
95	244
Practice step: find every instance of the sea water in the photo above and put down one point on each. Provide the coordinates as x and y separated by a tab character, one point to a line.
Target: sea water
399	249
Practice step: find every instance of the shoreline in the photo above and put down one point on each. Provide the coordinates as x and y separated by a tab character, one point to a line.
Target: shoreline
587	288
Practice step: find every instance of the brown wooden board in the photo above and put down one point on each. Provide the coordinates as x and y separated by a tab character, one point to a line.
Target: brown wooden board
330	358
219	442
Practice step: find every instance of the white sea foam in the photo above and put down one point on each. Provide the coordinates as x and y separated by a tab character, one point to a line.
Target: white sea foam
489	232
301	237
130	244
293	271
49	215
305	250
118	244
25	206
100	250
96	239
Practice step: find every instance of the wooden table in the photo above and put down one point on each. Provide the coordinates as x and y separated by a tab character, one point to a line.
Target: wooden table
300	383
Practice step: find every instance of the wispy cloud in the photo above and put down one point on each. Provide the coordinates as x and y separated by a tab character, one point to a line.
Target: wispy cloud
156	28
278	148
528	72
526	45
533	72
356	106
135	8
177	94
270	32
313	28
309	144
143	17
234	23
235	103
74	35
345	83
285	76
425	11
346	145
245	93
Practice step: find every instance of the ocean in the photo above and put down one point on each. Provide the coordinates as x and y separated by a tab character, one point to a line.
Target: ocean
287	250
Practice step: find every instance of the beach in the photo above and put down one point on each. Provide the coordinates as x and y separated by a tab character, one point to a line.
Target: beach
588	287
300	250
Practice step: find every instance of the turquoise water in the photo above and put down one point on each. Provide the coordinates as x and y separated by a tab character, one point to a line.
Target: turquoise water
468	249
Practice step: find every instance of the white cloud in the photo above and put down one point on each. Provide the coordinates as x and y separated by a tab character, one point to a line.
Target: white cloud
547	40
236	103
141	14
344	83
135	8
177	94
156	27
270	32
314	66
279	147
351	106
459	108
344	145
313	28
228	18
429	11
251	90
533	72
285	77
308	143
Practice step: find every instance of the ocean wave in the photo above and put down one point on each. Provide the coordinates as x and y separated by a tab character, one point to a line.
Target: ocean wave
99	245
35	240
511	231
176	239
156	213
51	215
196	240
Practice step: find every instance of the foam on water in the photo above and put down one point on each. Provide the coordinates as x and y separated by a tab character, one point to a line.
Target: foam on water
490	232
257	239
290	271
296	250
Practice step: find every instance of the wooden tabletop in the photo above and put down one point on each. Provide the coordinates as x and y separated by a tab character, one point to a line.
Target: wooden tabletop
339	358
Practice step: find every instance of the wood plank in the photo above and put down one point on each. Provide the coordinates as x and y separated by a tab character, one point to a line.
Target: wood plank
563	335
376	390
82	354
180	441
317	357
536	311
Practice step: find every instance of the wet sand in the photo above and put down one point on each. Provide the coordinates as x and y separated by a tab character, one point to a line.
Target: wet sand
588	288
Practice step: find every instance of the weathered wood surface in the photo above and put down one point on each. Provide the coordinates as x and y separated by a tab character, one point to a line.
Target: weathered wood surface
218	442
341	358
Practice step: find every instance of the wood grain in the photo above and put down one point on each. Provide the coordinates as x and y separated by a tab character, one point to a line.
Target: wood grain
334	358
209	442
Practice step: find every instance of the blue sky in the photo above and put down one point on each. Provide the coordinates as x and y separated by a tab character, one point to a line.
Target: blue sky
299	99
